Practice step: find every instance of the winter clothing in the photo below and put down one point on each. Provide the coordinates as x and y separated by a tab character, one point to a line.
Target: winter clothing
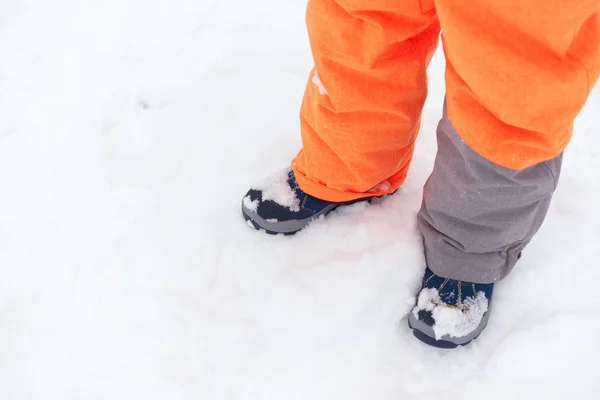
518	72
477	217
278	205
448	312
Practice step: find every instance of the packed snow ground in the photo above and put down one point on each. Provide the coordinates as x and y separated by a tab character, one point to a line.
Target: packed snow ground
129	132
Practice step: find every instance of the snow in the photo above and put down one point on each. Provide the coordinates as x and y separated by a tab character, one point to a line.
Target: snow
452	321
382	187
317	81
276	187
129	132
250	204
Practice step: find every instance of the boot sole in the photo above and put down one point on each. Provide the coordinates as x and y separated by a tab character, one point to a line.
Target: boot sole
425	333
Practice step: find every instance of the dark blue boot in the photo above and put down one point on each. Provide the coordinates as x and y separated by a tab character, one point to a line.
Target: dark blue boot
448	312
278	205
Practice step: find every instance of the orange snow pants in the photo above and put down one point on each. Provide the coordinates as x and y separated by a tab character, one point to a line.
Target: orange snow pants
517	74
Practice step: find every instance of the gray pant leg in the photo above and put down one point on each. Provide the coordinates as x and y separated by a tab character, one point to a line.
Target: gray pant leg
477	216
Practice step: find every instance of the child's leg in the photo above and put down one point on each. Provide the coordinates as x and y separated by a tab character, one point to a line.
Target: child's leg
363	101
478	216
518	72
517	75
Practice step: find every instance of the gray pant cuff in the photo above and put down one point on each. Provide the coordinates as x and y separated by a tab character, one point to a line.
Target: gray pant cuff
477	216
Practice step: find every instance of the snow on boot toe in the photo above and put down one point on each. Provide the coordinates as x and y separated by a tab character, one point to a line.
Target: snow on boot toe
448	312
278	205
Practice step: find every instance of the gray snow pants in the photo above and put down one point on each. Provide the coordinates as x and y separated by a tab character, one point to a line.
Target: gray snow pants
477	216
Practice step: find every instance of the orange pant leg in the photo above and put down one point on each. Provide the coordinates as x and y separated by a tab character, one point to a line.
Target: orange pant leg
518	73
362	106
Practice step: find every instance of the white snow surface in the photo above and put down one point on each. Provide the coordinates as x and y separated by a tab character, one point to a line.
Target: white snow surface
129	132
452	321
